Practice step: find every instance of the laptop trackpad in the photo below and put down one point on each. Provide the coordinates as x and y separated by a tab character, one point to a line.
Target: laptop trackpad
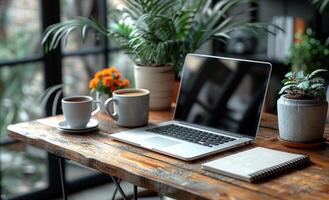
158	142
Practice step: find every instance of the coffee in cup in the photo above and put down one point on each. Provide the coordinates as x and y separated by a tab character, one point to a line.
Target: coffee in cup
129	107
77	110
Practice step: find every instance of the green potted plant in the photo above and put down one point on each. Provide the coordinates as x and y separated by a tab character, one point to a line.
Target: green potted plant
308	53
158	34
302	107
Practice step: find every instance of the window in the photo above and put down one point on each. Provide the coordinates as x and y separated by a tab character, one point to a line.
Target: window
24	73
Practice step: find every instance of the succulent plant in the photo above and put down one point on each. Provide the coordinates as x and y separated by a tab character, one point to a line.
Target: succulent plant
298	85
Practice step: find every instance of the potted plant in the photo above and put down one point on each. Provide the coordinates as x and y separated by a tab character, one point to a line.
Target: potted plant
158	34
308	53
302	107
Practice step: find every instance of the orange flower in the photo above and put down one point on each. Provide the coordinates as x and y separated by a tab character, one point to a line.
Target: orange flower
106	72
125	82
117	75
99	75
117	82
107	81
112	69
93	83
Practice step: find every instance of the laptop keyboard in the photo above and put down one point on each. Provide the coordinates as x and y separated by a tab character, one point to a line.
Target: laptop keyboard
191	135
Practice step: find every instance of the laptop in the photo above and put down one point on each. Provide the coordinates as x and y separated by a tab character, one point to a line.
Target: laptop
218	107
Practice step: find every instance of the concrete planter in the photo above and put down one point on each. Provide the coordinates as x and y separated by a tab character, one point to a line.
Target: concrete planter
301	120
159	81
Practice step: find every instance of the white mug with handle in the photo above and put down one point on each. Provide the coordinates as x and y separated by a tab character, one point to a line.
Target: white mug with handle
78	110
129	107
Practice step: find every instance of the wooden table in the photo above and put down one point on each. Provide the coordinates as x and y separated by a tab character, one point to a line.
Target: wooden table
172	177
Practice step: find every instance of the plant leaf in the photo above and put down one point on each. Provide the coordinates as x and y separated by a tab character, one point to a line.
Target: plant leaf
304	85
285	88
289	74
317	85
317	80
314	73
289	82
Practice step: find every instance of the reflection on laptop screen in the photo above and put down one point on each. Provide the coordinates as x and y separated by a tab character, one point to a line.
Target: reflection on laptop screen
222	93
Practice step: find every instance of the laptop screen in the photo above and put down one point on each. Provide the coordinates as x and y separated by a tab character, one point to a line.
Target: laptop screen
222	93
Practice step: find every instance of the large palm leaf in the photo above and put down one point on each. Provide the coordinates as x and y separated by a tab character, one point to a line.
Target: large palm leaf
56	32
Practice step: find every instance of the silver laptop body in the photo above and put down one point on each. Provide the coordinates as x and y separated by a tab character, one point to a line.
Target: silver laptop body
219	103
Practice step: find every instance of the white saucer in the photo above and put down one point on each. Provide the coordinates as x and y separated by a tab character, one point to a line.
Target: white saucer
92	125
77	131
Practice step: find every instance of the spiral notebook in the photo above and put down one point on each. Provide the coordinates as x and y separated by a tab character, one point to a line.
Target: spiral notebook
255	164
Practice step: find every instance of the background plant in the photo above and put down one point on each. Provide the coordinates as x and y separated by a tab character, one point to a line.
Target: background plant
298	85
156	32
308	53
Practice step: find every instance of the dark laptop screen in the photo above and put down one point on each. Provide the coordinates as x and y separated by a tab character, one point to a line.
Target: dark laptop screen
222	93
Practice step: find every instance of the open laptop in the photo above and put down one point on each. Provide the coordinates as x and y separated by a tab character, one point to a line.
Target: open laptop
218	107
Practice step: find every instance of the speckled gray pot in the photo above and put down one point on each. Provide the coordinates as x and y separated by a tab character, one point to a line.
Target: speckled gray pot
301	120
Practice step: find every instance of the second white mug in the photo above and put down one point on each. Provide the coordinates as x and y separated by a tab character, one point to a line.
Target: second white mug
129	107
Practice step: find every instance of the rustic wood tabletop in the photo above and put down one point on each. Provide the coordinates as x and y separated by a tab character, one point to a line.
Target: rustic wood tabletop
173	177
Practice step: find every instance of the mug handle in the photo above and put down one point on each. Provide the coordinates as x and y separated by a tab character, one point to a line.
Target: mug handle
98	108
110	109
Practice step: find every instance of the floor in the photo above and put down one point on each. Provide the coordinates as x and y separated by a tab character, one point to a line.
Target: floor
105	193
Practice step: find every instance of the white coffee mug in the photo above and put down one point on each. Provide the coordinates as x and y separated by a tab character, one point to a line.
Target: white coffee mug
129	107
77	110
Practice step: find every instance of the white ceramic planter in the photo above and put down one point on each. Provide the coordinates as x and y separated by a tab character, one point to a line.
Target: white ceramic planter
301	120
159	81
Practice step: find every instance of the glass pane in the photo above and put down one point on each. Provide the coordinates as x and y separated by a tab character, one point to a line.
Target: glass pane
72	8
19	28
77	72
124	64
112	4
23	167
20	86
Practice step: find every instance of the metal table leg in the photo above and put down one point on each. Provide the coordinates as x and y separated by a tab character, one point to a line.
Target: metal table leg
117	184
135	193
115	180
62	175
115	191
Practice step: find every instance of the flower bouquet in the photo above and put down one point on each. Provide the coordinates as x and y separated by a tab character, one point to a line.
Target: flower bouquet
107	80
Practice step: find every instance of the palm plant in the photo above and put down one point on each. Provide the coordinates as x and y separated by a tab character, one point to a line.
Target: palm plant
156	33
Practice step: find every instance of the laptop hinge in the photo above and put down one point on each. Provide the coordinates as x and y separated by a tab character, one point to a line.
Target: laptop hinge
211	129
